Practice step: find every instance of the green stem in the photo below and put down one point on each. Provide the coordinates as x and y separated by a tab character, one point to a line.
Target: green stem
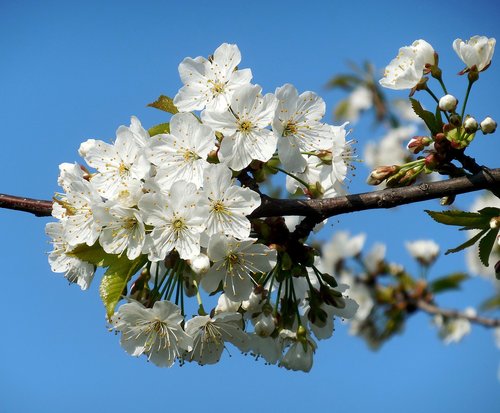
443	86
300	181
469	87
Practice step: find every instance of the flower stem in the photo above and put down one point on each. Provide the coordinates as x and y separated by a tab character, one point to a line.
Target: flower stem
469	87
300	181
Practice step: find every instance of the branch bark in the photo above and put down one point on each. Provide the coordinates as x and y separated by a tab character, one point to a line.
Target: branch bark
320	209
434	310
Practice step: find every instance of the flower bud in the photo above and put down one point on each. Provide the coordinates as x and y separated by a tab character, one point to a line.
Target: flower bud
455	121
448	103
495	222
418	143
488	125
378	175
264	325
470	124
199	264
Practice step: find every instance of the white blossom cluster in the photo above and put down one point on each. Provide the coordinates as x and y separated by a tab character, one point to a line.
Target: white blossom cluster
172	203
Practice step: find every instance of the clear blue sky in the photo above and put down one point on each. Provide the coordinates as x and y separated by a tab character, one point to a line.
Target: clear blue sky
77	70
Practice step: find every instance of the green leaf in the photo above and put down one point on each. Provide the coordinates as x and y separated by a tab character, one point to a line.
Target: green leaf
425	115
490	212
486	245
491	303
116	278
93	254
471	220
448	282
161	128
468	243
344	82
164	103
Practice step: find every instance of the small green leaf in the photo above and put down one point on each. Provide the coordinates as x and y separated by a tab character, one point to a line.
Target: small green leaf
425	115
470	242
490	212
448	282
491	303
486	245
161	128
116	278
344	82
93	254
164	103
471	220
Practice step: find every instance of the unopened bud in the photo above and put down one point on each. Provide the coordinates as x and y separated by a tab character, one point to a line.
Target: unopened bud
199	264
431	161
448	103
447	200
380	174
495	222
418	143
470	124
488	125
455	120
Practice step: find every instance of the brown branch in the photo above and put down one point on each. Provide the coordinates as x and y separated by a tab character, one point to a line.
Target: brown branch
432	309
39	207
320	209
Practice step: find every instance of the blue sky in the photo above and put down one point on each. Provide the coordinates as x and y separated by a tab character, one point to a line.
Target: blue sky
77	70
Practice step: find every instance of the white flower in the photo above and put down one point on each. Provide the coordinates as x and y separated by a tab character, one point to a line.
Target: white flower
75	270
80	225
452	330
182	154
177	221
199	264
264	324
360	99
228	204
234	263
424	251
210	333
156	331
340	247
297	126
301	348
374	258
123	229
477	51
211	83
121	166
406	70
245	136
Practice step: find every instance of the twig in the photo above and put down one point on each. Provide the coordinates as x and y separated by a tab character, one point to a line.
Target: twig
432	309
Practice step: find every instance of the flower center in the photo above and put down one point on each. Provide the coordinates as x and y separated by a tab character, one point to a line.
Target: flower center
290	129
245	126
123	169
178	225
217	88
190	156
157	333
218	207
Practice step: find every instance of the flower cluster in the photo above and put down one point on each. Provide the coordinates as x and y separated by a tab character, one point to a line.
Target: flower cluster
166	212
451	129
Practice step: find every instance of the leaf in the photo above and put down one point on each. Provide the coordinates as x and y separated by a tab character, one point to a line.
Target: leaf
486	245
471	220
164	103
425	115
468	243
448	282
344	82
116	278
93	254
161	128
491	303
490	212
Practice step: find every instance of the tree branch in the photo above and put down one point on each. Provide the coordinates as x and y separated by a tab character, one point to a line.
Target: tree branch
320	209
432	309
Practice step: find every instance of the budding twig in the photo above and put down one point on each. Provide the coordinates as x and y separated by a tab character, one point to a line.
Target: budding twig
432	309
